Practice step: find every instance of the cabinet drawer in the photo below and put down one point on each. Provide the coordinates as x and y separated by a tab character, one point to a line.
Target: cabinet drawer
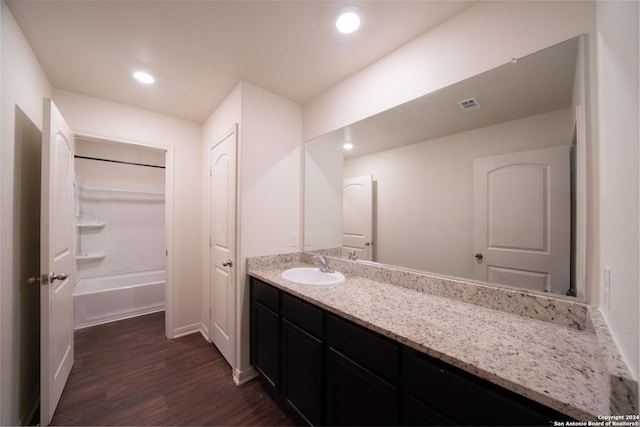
302	314
469	400
365	347
357	397
266	294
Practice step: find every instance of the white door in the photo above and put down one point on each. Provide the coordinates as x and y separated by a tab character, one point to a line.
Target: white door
57	261
223	244
522	219
357	217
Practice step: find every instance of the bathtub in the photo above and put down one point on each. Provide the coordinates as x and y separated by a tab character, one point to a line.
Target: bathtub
105	299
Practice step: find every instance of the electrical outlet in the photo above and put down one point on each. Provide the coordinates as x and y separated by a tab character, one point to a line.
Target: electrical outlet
606	292
307	238
294	239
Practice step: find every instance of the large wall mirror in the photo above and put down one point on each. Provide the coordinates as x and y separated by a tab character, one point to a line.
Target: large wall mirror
481	180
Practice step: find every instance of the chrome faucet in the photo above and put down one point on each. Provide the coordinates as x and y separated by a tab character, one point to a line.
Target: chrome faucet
353	256
322	265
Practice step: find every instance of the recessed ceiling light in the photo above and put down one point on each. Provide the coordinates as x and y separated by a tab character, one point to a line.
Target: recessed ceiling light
348	146
349	19
143	77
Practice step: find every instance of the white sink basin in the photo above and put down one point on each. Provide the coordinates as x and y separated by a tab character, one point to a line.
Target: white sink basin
312	276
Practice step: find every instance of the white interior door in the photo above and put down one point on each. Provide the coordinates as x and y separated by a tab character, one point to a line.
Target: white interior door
357	217
57	261
223	244
522	219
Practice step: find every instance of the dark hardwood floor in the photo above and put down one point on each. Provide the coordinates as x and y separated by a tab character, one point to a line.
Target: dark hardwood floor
128	373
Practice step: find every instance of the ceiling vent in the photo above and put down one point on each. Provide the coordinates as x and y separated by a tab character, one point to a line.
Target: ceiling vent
469	104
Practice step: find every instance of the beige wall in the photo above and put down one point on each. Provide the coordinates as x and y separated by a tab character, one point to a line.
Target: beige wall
424	191
112	121
23	87
618	143
269	183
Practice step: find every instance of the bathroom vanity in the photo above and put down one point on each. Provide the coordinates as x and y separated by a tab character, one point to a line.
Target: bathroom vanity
367	352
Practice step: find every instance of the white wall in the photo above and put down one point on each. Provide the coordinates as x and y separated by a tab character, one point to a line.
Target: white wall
108	120
433	183
323	170
269	183
270	186
24	85
618	126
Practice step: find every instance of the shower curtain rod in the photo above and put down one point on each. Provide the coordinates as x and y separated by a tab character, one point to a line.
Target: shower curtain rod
118	161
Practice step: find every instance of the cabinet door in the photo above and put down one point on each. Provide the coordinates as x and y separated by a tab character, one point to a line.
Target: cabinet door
265	345
356	396
302	372
416	413
466	399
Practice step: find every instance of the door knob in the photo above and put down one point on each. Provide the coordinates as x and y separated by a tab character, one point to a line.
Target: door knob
44	279
227	263
478	256
60	276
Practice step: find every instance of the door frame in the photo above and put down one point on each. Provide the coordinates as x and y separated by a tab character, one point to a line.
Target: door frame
236	272
169	182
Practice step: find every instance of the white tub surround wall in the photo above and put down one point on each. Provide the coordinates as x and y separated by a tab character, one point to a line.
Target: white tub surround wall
105	299
120	209
120	232
540	347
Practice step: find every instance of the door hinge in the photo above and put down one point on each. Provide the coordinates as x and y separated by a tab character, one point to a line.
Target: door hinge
209	241
209	312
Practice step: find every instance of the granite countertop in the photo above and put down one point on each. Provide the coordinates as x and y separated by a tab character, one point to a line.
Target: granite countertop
552	364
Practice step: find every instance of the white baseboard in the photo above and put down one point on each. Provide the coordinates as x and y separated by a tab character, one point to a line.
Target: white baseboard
241	377
189	329
205	332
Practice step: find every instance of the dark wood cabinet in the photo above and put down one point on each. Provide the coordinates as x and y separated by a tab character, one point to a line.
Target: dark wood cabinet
331	371
357	396
303	358
362	375
265	333
436	393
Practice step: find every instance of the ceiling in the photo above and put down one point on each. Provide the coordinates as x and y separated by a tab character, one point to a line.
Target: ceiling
200	50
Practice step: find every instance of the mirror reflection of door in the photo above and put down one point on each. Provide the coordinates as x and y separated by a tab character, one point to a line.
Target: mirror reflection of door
357	218
522	219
